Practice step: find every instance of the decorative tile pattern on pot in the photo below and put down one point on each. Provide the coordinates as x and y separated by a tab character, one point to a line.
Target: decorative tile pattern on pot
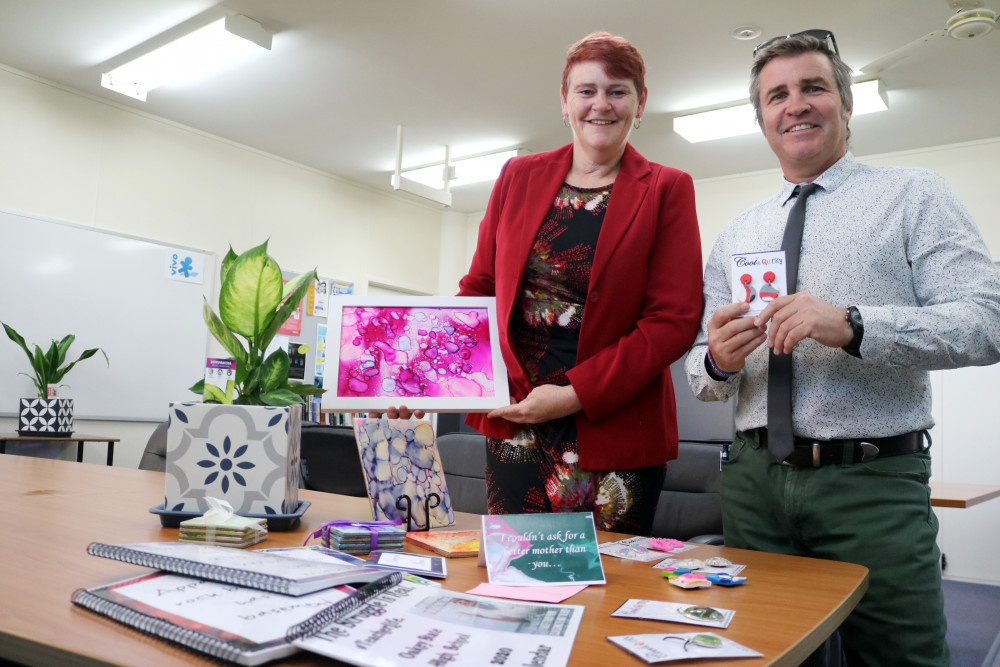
45	416
247	455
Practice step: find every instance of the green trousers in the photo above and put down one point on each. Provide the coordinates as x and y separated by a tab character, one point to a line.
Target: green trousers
877	514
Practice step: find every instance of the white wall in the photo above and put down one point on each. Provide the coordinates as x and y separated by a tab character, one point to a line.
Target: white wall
75	158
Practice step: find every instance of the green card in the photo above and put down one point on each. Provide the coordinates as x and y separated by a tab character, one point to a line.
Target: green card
541	549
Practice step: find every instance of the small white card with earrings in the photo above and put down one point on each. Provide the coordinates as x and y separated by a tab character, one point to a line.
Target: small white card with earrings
758	278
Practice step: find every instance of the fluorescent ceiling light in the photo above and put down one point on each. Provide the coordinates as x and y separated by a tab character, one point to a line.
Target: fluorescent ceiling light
716	124
464	171
733	121
869	97
207	49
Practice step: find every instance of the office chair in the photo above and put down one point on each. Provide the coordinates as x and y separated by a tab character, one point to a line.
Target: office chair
690	506
330	460
463	458
154	457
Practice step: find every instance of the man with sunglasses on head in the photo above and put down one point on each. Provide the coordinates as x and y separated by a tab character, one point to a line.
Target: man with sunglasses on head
893	280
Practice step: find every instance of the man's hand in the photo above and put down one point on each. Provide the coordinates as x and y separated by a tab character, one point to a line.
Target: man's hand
732	338
545	403
799	316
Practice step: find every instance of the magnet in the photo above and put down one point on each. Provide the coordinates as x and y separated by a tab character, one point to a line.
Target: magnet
706	641
691	580
702	613
723	579
665	544
718	561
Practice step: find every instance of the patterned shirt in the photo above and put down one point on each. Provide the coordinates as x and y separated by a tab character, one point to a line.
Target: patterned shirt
897	243
546	321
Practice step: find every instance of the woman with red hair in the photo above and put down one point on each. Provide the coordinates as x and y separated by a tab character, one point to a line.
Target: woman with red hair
594	257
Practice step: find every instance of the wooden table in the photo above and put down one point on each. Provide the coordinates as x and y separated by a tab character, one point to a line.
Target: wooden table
78	439
53	509
950	494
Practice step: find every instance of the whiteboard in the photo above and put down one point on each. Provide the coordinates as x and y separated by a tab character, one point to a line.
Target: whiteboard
123	294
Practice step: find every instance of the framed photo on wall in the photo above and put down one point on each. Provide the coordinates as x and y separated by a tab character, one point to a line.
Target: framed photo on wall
437	354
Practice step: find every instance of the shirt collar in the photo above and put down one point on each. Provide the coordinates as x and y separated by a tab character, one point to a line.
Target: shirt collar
829	180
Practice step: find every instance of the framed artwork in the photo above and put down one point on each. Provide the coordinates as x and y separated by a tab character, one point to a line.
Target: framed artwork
438	354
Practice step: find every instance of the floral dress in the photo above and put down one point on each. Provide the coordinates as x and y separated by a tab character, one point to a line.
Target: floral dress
537	470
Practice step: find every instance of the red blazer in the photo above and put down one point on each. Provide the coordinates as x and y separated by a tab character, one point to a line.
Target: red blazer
643	305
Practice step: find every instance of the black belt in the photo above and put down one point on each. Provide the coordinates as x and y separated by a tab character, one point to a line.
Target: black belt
810	453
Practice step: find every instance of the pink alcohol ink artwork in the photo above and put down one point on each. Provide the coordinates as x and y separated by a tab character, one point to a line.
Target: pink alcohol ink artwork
438	354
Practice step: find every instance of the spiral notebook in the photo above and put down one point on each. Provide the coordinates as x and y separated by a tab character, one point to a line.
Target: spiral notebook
253	569
377	625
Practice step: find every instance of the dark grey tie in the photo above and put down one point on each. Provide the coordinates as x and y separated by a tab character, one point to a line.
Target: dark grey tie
780	439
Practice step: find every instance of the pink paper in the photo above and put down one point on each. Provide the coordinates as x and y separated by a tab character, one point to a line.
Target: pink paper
530	593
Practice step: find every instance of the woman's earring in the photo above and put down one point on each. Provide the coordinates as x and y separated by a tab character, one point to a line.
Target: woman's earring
566	121
637	122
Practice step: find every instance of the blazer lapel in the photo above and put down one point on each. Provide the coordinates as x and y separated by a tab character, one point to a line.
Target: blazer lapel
626	198
541	183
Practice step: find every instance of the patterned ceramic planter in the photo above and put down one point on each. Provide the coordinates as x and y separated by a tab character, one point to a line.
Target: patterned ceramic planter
50	417
245	454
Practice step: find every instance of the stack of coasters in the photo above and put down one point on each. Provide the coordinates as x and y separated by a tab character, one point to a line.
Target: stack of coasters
219	526
360	537
236	531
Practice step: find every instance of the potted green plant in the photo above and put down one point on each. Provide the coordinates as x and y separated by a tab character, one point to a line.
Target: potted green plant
246	452
254	301
47	414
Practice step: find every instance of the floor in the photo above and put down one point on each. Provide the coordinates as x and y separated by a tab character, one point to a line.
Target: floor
973	612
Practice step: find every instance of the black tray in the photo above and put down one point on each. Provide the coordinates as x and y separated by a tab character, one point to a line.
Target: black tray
276	522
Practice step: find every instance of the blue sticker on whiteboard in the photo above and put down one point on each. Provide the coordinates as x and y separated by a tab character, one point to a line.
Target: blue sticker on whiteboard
185	266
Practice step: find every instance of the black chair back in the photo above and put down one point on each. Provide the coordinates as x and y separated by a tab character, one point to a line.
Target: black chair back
154	457
330	460
690	503
463	457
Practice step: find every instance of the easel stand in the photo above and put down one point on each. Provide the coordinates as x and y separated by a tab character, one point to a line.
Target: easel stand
407	507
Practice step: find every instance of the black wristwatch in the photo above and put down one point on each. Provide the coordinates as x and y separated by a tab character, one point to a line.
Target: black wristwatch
858	327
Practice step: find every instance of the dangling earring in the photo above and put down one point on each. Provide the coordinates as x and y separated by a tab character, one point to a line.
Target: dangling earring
751	293
566	121
768	292
637	122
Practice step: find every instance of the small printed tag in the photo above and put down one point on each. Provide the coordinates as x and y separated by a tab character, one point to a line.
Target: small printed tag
657	610
220	380
682	646
758	278
637	548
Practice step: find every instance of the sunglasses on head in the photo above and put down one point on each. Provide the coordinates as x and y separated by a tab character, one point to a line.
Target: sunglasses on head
824	35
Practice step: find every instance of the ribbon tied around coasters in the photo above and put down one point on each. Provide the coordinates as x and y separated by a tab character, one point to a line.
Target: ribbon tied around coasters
361	537
221	526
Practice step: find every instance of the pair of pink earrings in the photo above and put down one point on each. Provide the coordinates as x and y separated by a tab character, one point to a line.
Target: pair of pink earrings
767	293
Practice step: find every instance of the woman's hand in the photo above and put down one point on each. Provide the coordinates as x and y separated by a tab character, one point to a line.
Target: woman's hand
544	403
402	412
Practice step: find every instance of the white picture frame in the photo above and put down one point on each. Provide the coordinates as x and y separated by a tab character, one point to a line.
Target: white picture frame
432	353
